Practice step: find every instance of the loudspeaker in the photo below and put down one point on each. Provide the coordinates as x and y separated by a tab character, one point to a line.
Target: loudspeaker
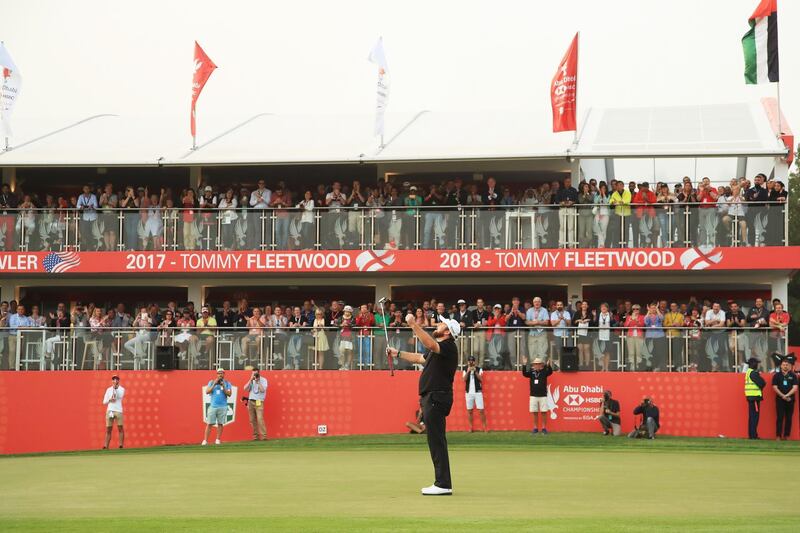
166	358
569	359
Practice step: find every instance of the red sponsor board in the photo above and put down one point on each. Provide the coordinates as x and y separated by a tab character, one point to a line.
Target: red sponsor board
166	407
394	261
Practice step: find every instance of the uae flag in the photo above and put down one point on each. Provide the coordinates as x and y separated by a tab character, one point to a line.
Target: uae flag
761	44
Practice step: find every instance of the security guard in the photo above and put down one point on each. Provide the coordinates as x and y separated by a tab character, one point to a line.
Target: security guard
753	383
784	383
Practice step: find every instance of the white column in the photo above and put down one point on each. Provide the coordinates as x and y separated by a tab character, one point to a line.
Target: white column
574	290
782	171
195	178
8	290
196	293
383	290
780	289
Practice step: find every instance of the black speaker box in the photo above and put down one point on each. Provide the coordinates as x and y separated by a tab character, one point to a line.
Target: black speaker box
569	359
166	358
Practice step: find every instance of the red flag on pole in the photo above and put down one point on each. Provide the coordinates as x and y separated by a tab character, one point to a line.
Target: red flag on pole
564	90
203	67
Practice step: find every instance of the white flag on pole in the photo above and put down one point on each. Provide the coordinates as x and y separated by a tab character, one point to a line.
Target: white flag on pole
378	57
12	83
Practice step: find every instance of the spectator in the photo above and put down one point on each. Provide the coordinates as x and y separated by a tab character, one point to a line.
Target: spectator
365	321
227	207
757	215
707	195
496	338
256	389
734	221
585	215
735	320
493	233
620	223
480	318
433	232
654	335
650	420
634	325
87	204
17	320
219	390
206	325
321	345
412	201
112	399
8	201
601	214
537	375
154	223
473	383
665	215
463	316
208	219
778	323
673	320
566	198
775	230
582	321
306	206
609	416
255	333
142	336
279	202
714	320
559	319
605	323
58	330
346	339
784	383
257	222
647	224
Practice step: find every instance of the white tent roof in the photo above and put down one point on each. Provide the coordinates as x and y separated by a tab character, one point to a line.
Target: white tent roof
112	140
723	129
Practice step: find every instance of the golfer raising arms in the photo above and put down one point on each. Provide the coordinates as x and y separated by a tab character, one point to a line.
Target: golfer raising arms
436	392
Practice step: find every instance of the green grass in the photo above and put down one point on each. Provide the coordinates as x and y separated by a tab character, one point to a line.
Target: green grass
502	481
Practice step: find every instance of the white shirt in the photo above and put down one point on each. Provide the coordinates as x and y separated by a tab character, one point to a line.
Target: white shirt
604	325
711	315
115	404
259	390
261	202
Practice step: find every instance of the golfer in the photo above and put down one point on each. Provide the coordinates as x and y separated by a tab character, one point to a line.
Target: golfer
440	362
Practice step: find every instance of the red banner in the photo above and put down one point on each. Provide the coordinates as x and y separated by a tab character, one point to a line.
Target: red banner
396	261
167	407
564	90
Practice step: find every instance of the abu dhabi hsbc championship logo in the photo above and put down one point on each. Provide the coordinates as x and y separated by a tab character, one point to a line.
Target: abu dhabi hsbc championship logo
230	416
374	260
701	257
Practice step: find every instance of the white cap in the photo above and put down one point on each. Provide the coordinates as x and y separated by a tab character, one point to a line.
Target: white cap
462	301
348	309
452	325
498	306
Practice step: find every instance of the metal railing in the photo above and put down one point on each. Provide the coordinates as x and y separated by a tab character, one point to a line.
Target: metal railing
405	227
670	349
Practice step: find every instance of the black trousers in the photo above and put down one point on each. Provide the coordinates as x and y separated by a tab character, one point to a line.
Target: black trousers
784	411
754	412
436	406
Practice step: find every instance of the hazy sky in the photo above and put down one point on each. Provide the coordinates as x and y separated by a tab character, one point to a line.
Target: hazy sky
85	57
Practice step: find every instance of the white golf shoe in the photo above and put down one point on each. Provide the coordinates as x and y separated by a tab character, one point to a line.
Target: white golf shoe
433	490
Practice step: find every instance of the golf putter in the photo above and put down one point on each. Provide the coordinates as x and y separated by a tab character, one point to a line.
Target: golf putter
386	334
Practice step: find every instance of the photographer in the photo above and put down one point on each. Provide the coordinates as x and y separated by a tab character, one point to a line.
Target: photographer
219	389
473	383
609	416
257	393
650	424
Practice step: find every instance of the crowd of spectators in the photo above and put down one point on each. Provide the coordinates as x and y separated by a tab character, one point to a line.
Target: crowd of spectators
692	335
396	215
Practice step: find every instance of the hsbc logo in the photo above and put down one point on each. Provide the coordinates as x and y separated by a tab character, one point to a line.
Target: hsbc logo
573	400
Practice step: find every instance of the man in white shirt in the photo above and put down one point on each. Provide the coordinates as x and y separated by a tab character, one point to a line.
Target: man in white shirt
559	320
87	205
537	318
257	393
473	383
259	203
715	321
113	402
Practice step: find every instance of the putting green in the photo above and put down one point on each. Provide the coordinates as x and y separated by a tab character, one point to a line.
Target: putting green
501	482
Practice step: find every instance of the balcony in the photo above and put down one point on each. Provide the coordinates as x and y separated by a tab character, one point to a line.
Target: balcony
405	228
674	349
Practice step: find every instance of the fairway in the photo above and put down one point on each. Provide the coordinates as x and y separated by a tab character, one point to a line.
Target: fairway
502	481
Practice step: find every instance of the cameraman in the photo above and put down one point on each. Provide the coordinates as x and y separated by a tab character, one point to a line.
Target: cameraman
473	383
257	389
220	390
609	416
650	423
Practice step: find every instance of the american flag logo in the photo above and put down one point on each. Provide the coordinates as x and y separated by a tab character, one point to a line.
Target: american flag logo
57	262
